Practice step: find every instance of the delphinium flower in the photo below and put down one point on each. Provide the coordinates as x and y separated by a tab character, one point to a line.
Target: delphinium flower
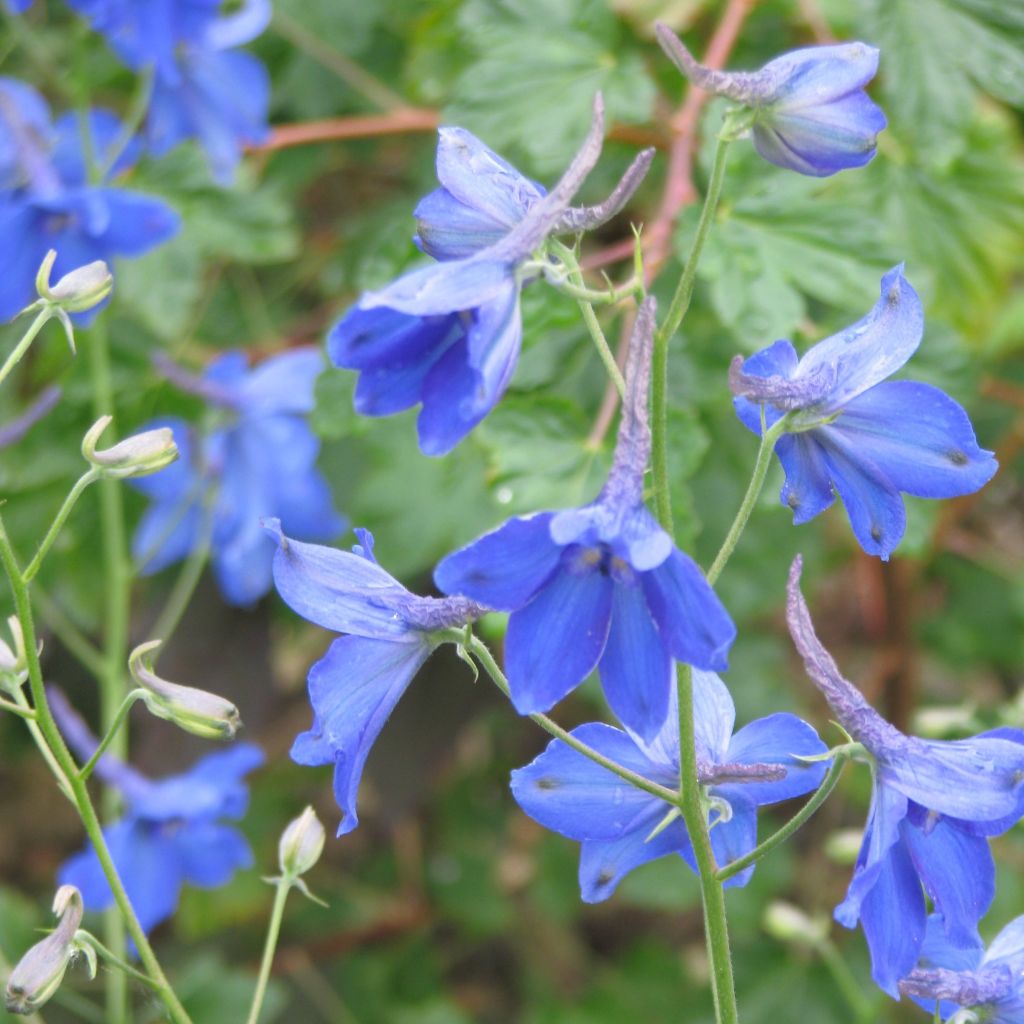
808	111
934	803
203	87
618	824
47	200
601	586
259	460
970	984
172	831
851	431
448	335
361	678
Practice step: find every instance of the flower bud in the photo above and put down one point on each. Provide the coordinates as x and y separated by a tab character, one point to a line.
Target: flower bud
301	844
13	663
196	711
788	923
77	291
39	972
138	455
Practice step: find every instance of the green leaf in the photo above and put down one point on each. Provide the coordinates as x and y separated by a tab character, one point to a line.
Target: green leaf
161	288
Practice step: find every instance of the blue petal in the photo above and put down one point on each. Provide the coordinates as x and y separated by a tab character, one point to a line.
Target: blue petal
104	131
821	74
604	864
633	534
556	640
570	794
27	132
736	837
167	533
888	808
870	350
636	670
481	180
443	287
504	568
775	740
283	383
240	27
919	438
338	590
807	489
210	854
693	622
938	951
777	360
957	872
137	224
449	230
19	258
996	826
1007	947
893	918
353	690
714	715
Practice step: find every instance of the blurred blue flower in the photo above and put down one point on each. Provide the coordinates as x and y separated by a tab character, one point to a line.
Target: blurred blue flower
854	433
356	685
259	461
601	586
988	982
572	795
809	110
202	87
448	335
172	830
48	202
934	804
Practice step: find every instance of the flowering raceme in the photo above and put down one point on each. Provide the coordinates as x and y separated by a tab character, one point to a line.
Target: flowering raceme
618	824
171	832
47	201
933	806
260	462
850	431
601	586
809	112
358	682
448	336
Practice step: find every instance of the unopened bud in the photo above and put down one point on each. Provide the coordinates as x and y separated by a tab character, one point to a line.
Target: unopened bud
787	923
13	663
301	844
138	455
196	711
77	291
39	972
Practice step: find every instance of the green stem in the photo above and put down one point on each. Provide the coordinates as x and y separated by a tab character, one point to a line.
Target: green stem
26	339
67	632
764	460
115	960
68	772
677	310
17	709
40	741
58	523
284	884
482	652
126	705
821	794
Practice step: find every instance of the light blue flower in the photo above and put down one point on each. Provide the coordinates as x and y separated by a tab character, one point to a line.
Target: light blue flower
934	804
852	432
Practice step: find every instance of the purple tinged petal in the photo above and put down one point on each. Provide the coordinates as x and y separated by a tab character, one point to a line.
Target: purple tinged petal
570	794
997	826
504	568
821	74
736	837
692	620
636	669
1007	947
443	287
556	641
714	716
449	230
807	489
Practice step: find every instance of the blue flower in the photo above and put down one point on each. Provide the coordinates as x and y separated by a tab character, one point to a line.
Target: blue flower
47	201
933	806
808	109
601	586
260	462
614	821
988	982
850	431
448	335
172	831
356	685
202	87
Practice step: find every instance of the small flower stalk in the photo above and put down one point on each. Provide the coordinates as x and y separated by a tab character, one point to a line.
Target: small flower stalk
138	455
39	973
196	711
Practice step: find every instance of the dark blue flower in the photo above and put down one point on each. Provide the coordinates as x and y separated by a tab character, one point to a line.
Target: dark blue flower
601	586
990	983
448	335
172	831
934	804
356	685
47	201
852	432
570	794
809	111
260	462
